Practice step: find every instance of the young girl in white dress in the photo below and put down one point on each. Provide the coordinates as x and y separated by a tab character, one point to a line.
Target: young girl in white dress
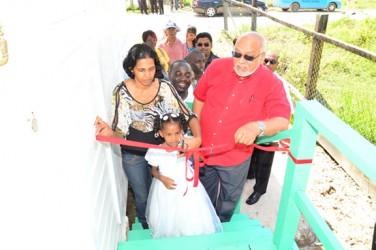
175	207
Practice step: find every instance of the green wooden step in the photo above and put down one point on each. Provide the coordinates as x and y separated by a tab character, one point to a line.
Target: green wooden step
227	227
139	235
245	224
254	237
137	225
239	233
236	217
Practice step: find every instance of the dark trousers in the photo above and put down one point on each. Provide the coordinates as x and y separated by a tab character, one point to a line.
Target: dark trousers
260	169
174	5
224	186
161	8
144	7
153	6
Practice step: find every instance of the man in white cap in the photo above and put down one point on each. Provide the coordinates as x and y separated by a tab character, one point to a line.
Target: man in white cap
175	49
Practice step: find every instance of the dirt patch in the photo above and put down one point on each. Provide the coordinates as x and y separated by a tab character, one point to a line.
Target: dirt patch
348	210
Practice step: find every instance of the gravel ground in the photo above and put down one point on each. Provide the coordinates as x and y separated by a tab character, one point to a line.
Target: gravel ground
347	209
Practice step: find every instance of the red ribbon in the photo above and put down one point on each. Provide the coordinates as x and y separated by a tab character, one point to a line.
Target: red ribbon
285	147
286	144
199	153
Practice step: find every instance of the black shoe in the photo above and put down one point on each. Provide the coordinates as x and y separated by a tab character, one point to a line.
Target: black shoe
253	198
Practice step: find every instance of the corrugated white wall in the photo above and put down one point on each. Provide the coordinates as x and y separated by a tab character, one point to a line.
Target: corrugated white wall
59	188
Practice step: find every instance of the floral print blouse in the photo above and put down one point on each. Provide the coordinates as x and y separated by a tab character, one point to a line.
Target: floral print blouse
140	116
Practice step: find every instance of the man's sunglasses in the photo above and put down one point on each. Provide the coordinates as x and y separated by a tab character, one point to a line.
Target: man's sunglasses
246	57
271	61
205	44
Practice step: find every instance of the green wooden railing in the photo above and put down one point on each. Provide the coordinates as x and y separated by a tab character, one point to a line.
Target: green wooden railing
311	119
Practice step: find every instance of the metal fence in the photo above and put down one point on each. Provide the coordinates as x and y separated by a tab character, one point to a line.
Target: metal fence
352	99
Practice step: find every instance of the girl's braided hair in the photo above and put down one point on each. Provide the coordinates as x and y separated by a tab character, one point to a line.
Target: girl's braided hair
170	117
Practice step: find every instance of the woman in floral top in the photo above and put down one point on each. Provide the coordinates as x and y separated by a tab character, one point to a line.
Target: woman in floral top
136	103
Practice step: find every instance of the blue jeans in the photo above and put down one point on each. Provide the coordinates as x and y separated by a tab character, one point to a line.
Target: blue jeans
139	177
224	186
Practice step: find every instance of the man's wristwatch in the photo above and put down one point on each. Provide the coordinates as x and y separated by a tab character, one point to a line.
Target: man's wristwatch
261	126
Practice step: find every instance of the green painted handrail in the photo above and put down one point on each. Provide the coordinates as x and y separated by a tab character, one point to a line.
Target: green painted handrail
311	119
280	136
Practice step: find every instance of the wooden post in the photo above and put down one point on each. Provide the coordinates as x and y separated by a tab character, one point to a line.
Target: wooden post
254	16
314	64
225	15
302	146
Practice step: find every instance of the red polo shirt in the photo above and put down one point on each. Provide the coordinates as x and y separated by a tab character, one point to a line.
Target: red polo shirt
231	102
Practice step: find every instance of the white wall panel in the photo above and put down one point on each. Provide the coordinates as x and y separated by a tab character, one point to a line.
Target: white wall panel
59	188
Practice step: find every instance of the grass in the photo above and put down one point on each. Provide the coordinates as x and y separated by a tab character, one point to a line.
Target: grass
346	82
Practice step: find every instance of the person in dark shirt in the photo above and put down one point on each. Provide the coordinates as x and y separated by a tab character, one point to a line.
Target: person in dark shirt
196	58
262	161
204	42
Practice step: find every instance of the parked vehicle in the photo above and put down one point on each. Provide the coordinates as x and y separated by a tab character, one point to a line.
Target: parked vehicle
295	5
211	8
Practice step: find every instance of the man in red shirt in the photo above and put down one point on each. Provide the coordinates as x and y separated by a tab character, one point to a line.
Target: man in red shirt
236	100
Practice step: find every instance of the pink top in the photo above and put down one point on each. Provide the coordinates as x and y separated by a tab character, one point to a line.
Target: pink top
231	102
176	51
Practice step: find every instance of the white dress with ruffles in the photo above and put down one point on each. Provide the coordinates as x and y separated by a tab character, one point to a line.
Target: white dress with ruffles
185	210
